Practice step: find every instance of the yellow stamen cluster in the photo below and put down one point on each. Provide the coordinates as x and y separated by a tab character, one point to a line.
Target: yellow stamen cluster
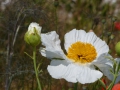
80	52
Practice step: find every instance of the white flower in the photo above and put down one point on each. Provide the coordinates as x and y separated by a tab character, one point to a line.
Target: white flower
33	26
84	52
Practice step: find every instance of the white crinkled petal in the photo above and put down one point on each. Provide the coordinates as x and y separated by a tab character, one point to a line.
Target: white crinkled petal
88	75
52	45
42	51
104	64
73	36
58	62
90	37
103	60
106	71
80	35
58	68
73	73
51	40
100	46
52	54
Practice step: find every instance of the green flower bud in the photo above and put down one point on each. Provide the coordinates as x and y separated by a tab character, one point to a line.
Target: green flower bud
32	36
117	48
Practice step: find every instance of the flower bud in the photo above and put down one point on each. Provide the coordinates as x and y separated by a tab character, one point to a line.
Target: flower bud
32	36
117	48
117	26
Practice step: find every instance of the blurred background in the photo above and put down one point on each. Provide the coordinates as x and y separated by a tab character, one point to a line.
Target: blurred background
16	68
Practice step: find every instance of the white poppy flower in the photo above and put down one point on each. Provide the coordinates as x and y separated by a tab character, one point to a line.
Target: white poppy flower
84	52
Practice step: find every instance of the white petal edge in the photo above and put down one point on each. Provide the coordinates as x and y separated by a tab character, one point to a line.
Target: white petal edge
106	71
80	35
51	40
52	45
88	75
105	65
42	51
100	46
102	60
52	54
73	36
74	73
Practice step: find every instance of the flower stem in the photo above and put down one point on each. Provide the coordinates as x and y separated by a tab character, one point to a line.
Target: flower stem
75	86
35	68
117	68
111	85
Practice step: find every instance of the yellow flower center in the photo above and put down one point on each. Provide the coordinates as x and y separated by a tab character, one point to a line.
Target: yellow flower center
80	52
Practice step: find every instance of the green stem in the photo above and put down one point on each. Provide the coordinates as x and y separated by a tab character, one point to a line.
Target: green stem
111	85
35	68
115	76
75	86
